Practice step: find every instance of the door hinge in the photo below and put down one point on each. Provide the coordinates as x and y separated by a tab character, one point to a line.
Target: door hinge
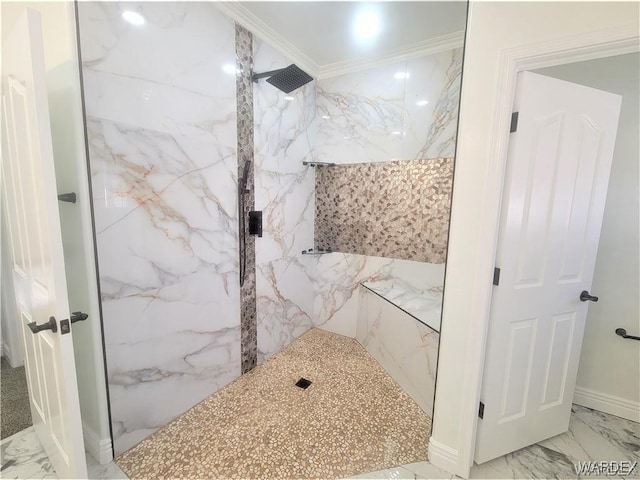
514	122
496	276
481	410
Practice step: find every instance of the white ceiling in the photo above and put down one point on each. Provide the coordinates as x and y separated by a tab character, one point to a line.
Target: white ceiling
320	34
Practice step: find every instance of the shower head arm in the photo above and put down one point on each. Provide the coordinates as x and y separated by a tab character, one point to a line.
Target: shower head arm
257	76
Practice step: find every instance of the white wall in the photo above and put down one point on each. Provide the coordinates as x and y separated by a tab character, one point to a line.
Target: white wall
492	29
609	372
63	83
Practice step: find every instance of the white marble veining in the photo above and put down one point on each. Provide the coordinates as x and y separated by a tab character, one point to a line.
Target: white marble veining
285	302
284	191
401	111
405	110
29	460
338	277
361	116
425	305
162	139
193	40
430	129
592	436
404	347
149	184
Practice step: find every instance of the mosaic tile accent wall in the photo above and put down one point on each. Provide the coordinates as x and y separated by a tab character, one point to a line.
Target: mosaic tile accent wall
398	209
244	96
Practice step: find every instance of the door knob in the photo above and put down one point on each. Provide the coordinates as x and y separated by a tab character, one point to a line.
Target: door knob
78	316
584	296
50	325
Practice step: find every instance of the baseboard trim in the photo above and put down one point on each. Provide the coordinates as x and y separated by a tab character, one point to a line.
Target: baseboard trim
443	456
98	448
620	407
6	352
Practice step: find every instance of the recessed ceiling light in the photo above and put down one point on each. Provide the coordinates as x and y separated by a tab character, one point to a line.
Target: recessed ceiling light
133	18
422	103
401	75
326	117
396	133
289	98
367	25
230	69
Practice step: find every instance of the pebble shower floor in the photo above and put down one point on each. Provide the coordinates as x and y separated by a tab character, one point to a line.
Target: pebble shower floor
353	418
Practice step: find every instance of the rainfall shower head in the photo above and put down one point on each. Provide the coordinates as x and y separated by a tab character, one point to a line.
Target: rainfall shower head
286	79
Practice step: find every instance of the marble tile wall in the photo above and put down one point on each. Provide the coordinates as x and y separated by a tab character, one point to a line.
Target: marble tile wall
397	209
404	347
405	111
402	111
161	119
284	190
337	278
162	134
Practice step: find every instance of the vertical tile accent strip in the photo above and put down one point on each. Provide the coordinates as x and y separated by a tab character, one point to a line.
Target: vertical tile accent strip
244	96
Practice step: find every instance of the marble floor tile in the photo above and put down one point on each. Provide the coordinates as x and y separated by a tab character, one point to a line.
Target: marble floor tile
29	460
110	471
427	470
389	474
592	436
413	471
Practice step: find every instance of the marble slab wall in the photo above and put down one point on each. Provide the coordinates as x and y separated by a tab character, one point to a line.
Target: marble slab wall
161	120
402	111
404	347
397	209
337	277
284	190
405	110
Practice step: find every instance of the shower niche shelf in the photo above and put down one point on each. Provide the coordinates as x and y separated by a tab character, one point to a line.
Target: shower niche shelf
316	251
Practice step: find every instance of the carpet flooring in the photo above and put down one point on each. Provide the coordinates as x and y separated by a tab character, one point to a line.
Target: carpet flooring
15	413
352	418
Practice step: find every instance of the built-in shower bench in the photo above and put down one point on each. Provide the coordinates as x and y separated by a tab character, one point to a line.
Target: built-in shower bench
423	304
399	326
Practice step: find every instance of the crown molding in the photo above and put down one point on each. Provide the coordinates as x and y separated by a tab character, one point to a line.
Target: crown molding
239	13
407	52
248	20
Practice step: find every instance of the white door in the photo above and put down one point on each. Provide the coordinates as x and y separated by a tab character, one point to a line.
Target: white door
554	196
30	199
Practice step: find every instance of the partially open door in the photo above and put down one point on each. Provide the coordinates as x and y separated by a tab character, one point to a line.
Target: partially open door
30	199
554	196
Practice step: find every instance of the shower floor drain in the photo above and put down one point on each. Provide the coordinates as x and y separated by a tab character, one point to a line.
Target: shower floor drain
303	383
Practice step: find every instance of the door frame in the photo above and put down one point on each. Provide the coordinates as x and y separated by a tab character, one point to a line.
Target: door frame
574	48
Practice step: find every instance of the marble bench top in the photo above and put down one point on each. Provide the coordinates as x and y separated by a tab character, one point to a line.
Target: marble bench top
424	305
